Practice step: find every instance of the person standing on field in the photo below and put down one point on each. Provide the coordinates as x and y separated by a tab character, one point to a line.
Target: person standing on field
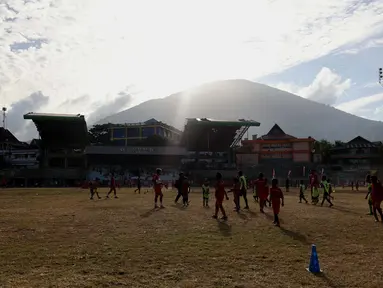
243	188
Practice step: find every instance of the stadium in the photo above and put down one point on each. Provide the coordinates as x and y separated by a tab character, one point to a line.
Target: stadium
107	242
67	154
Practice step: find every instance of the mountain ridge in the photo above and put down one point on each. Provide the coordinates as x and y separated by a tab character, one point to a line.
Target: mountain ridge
243	99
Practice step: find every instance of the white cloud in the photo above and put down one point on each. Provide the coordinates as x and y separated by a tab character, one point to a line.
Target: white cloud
365	106
372	85
372	43
326	88
70	48
378	112
103	110
25	130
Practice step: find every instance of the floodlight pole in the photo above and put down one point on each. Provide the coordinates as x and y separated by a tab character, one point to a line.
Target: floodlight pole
208	141
380	76
4	117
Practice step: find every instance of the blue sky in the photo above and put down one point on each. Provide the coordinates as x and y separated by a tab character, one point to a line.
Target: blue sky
98	57
359	66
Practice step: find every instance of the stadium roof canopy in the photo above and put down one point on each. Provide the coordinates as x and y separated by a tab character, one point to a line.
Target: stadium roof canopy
204	134
227	123
60	130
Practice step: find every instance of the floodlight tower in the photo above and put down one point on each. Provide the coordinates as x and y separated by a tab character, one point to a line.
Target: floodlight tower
4	117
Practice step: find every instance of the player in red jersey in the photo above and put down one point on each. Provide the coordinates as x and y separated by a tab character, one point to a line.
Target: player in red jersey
236	193
276	195
220	194
314	186
112	187
262	191
158	185
376	197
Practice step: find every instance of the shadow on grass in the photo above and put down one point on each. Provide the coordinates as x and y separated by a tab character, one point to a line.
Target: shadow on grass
344	210
243	216
224	228
295	236
269	216
179	207
149	213
252	213
328	281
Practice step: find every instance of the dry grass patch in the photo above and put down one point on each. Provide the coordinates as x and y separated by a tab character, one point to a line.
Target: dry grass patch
59	238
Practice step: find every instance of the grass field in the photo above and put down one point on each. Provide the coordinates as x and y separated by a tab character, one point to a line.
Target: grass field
59	238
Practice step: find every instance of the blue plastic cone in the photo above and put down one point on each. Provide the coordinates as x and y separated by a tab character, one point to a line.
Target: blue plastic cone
314	262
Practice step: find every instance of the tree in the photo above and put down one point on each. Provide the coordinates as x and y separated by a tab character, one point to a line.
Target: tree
380	152
99	134
324	148
339	143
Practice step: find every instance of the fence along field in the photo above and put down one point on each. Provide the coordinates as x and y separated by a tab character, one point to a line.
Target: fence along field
59	238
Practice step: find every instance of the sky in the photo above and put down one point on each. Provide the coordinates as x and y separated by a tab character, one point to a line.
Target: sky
98	57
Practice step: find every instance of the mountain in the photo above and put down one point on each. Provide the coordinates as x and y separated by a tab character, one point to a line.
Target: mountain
236	99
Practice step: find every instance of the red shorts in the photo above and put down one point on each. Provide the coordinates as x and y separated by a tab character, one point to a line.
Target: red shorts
376	203
158	193
276	206
219	200
263	195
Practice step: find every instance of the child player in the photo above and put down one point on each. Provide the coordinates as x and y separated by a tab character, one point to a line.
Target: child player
376	197
112	187
138	185
368	196
276	195
314	185
332	189
205	193
262	190
157	185
185	191
93	188
236	193
255	192
302	189
243	188
220	194
326	191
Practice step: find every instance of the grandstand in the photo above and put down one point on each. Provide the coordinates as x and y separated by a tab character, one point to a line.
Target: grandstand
63	140
127	161
210	144
204	134
127	134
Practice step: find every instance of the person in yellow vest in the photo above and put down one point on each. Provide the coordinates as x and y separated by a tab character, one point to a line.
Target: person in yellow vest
326	191
243	188
205	193
368	195
332	189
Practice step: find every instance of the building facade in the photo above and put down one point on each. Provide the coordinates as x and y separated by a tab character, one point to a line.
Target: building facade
358	154
275	146
22	158
16	154
276	154
123	135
